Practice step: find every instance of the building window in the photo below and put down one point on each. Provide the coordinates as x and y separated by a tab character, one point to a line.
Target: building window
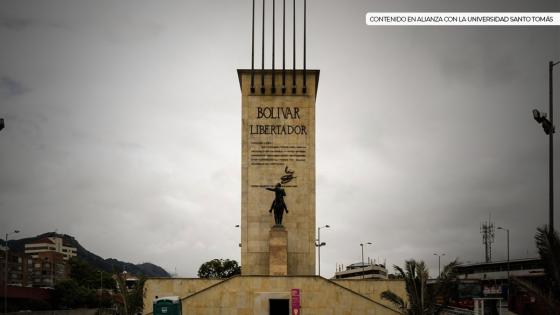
38	248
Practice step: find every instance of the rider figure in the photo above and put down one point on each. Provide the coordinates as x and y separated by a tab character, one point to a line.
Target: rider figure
278	205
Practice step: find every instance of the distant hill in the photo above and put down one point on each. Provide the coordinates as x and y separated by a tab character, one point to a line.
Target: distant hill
108	265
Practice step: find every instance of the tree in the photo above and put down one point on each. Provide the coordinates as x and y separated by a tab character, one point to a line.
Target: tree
80	289
82	272
219	269
395	299
88	276
69	294
421	299
131	299
548	246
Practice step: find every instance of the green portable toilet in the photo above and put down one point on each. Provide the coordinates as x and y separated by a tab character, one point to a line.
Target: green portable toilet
169	305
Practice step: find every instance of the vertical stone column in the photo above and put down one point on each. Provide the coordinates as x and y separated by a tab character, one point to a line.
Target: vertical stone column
278	251
278	146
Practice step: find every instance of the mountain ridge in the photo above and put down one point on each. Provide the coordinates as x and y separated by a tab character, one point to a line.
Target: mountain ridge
108	265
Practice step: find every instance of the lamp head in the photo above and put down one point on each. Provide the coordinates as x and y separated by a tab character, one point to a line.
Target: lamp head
537	115
327	226
541	119
323	244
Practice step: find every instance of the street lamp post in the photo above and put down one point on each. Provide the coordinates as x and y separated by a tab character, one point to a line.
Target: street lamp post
507	233
548	126
422	280
101	290
362	245
6	271
319	244
439	263
237	226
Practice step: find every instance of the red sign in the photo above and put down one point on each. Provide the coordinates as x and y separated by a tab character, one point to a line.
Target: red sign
295	302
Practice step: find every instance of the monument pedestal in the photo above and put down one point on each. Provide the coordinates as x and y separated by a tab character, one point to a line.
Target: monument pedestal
278	251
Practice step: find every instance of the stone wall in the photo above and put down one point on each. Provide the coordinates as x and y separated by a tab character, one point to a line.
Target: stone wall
373	288
249	295
180	287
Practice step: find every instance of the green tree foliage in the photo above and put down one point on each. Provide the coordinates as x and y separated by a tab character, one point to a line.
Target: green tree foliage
130	298
219	269
548	245
395	299
81	289
88	276
69	294
421	299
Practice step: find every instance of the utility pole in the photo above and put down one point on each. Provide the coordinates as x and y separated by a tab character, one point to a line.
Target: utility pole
6	271
6	274
422	293
101	291
320	244
362	245
439	263
507	232
551	65
549	129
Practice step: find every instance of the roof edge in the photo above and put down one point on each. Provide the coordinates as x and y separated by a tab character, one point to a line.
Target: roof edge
315	72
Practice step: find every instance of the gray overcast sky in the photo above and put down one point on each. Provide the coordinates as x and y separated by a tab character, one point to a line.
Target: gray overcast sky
124	128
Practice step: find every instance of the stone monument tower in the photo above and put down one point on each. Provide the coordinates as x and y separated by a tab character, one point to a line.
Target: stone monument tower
277	198
278	159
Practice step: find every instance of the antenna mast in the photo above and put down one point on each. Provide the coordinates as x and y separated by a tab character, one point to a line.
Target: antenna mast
487	231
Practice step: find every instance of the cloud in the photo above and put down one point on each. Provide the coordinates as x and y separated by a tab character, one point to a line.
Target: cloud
15	24
130	139
11	87
20	24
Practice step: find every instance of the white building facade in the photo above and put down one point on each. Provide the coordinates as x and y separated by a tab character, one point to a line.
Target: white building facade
50	244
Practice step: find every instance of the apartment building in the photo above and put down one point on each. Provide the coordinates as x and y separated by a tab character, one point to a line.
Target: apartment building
16	268
50	244
45	270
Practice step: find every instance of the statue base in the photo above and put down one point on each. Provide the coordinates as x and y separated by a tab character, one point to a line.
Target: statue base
278	251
